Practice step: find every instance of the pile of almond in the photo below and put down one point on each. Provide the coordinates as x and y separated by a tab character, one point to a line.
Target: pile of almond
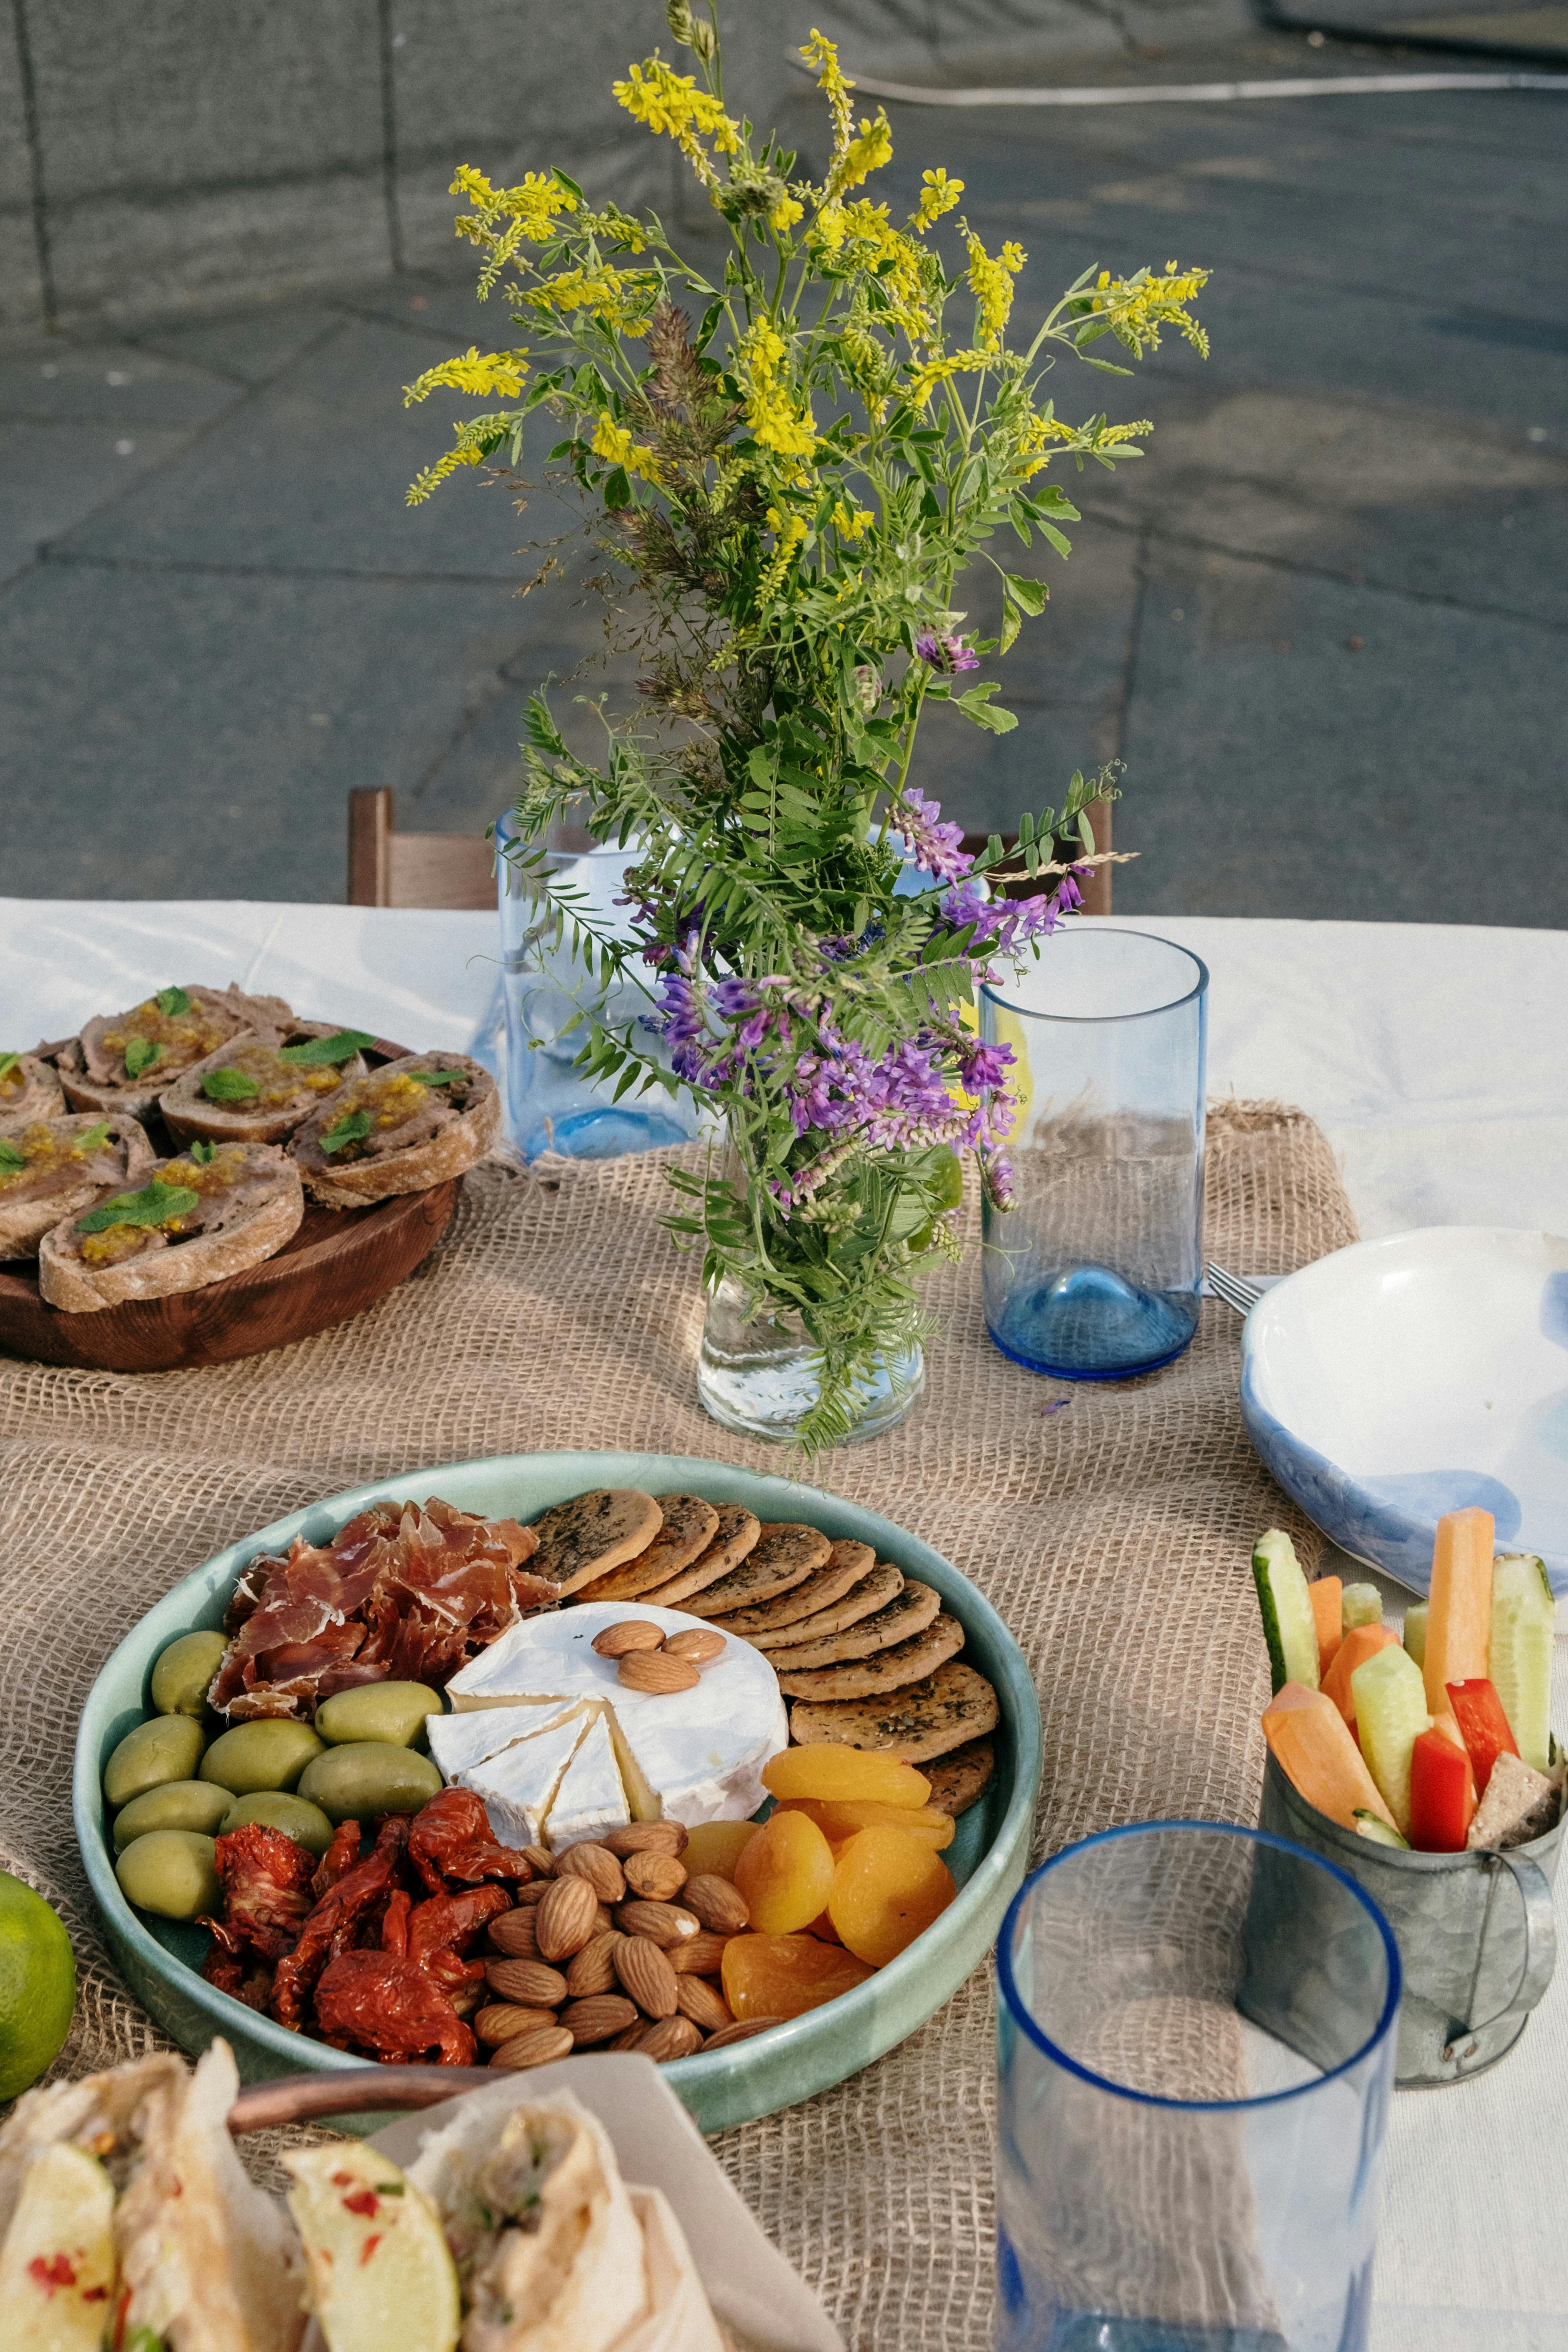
613	1946
650	1662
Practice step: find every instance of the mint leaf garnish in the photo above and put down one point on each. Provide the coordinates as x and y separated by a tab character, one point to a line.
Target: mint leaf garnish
93	1137
229	1085
172	1000
155	1204
141	1054
337	1048
348	1129
435	1077
11	1160
204	1154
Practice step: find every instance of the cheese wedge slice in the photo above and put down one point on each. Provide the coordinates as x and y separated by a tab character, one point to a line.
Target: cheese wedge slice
590	1798
457	1742
518	1786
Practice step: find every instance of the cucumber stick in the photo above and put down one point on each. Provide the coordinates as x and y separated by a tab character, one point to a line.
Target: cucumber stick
1376	1829
1289	1626
1359	1604
1390	1695
1523	1624
1415	1630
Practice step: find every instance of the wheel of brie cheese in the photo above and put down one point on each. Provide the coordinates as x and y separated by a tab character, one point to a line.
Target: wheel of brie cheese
559	1748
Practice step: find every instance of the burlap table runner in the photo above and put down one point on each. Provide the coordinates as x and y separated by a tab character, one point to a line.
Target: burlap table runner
1113	1536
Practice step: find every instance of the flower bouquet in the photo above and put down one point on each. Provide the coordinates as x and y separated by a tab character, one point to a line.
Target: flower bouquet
793	458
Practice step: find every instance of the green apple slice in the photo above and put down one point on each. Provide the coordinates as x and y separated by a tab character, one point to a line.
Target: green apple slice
382	2279
57	2266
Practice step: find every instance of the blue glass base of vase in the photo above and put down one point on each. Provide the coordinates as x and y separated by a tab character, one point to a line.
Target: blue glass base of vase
603	1134
1090	1323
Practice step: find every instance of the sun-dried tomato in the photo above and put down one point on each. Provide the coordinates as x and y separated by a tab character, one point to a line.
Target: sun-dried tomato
385	2004
451	1838
266	1880
338	1860
331	1926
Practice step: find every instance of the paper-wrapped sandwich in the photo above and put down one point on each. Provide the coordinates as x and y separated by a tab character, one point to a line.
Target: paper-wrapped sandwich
126	2217
51	1169
124	1061
29	1089
212	1212
411	1123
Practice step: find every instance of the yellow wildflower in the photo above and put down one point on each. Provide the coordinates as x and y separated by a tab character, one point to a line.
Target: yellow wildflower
614	443
899	264
668	101
1084	440
785	215
1138	307
991	283
863	156
533	204
932	373
430	477
938	196
774	418
823	54
851	522
790	533
617	296
500	371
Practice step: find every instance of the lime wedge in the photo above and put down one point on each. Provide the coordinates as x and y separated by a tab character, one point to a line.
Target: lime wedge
57	2266
380	2277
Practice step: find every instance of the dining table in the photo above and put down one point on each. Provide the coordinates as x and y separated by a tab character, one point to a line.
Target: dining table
1433	1058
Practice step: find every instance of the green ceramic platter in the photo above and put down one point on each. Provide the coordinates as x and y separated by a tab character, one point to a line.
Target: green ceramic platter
161	1961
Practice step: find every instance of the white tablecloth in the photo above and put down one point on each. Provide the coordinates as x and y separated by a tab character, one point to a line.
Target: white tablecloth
1437	1061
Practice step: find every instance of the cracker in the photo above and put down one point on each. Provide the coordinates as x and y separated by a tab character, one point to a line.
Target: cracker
735	1536
874	1592
844	1566
785	1554
593	1533
909	1614
949	1709
690	1527
892	1669
961	1778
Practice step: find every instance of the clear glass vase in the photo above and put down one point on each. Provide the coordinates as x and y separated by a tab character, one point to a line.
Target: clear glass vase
754	1372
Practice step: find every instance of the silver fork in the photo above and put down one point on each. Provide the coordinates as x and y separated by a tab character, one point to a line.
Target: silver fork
1242	1296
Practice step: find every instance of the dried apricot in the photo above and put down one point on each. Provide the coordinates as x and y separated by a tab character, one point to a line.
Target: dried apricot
712	1848
784	1976
824	1769
785	1873
888	1887
842	1821
822	1928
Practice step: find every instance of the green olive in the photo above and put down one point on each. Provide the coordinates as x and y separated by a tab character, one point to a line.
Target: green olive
183	1676
165	1747
170	1872
267	1754
368	1777
274	1809
391	1713
174	1805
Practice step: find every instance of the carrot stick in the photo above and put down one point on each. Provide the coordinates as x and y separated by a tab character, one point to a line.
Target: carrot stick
1364	1642
1459	1623
1314	1749
1324	1597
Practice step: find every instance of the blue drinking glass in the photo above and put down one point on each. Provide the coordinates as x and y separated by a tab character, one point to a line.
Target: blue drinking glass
1197	2032
1094	1275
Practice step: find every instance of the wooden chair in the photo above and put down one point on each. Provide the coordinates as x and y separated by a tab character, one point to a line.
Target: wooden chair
388	869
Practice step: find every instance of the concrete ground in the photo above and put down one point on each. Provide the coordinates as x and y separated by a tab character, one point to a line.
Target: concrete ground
1324	623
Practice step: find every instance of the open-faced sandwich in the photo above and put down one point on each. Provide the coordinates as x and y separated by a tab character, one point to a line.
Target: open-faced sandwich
53	1167
124	1061
29	1089
412	1123
259	1089
210	1212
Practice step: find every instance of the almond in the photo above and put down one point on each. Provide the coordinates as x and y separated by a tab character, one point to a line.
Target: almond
656	1671
513	1934
566	1919
648	1976
655	1876
672	2037
631	1633
540	1860
533	1894
598	2017
696	1645
718	1903
741	2030
664	1924
593	1969
500	2020
645	1837
699	1954
535	2049
603	1920
597	1865
702	2005
528	1981
630	2038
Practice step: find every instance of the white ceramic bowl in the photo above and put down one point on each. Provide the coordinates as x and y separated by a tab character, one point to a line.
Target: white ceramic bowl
1406	1377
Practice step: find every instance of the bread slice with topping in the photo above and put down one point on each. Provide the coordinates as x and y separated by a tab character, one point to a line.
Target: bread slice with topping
415	1122
53	1168
124	1061
211	1212
255	1090
29	1089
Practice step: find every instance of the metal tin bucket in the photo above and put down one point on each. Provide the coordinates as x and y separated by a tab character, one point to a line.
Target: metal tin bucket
1476	1933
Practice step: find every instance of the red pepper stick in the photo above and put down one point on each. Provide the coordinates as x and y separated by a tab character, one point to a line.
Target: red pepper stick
1442	1794
1483	1727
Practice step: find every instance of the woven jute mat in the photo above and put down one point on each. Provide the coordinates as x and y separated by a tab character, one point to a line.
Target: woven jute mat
1113	1534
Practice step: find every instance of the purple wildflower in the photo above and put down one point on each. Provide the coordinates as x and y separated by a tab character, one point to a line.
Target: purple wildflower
996	1175
985	1068
947	654
939	848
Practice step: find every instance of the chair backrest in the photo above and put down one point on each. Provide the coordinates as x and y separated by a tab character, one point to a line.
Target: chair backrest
388	869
